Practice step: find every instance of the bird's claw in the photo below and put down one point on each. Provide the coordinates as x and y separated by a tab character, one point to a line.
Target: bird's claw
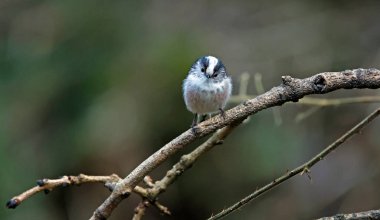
195	129
222	113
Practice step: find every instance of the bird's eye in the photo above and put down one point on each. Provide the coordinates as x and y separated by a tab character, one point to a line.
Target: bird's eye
203	70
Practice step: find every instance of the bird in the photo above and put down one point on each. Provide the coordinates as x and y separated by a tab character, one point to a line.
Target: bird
206	88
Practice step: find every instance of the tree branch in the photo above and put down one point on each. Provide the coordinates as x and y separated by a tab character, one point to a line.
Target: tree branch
372	214
291	89
188	160
305	168
177	170
321	102
47	185
140	210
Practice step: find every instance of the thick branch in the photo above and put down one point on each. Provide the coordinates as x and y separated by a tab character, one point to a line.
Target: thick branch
373	215
305	168
321	102
290	90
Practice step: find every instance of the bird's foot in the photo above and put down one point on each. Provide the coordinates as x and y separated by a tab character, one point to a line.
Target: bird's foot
194	127
195	130
222	113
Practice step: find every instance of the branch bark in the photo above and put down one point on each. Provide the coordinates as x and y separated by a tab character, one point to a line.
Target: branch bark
47	185
368	215
291	89
321	102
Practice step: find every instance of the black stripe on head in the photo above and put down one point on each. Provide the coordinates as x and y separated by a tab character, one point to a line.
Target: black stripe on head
204	62
218	66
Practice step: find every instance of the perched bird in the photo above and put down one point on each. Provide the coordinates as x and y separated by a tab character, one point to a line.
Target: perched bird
207	87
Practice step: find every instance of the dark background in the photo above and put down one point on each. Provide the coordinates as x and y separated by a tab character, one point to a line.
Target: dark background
94	87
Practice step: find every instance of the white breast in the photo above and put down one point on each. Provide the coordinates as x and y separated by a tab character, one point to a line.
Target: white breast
204	96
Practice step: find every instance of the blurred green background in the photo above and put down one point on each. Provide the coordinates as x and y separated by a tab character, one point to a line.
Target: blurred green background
94	87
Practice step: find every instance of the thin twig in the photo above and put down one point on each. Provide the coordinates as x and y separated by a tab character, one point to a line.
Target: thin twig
260	89
188	160
47	185
244	82
319	103
259	83
140	210
304	168
339	101
368	215
303	115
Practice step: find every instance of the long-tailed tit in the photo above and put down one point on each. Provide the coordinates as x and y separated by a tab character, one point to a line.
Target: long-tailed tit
207	87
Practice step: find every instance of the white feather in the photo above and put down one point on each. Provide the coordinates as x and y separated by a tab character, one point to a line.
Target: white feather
212	61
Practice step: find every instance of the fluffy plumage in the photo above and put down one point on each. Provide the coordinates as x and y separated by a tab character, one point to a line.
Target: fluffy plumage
207	87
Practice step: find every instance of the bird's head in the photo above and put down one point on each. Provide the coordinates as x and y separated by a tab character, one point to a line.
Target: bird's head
210	68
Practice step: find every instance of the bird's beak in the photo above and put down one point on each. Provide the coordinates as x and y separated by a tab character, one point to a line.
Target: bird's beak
208	73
